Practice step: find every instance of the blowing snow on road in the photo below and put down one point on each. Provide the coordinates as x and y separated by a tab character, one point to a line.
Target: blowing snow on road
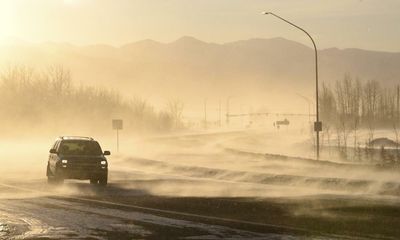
203	187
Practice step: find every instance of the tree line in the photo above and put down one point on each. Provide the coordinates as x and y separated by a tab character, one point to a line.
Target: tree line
350	105
49	100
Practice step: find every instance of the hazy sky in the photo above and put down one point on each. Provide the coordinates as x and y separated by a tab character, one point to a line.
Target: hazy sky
368	24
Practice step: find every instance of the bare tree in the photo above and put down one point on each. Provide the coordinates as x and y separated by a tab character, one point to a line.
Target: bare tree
60	80
371	129
29	99
356	105
175	109
396	134
327	133
371	95
140	108
327	104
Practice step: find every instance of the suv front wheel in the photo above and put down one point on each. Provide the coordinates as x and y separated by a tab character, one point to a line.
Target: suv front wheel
55	178
101	181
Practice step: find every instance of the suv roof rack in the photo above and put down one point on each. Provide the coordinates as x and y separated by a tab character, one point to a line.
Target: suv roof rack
76	137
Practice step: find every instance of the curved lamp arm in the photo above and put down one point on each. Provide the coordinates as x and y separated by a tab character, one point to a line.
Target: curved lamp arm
316	70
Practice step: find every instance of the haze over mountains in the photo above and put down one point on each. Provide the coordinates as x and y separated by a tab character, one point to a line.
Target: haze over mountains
188	68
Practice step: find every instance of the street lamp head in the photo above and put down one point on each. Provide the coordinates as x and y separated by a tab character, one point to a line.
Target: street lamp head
266	13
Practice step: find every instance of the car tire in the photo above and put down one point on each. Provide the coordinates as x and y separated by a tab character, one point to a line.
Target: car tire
58	178
55	180
94	181
103	181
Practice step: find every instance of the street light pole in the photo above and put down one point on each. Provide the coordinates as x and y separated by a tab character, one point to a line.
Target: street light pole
219	113
317	124
205	113
227	109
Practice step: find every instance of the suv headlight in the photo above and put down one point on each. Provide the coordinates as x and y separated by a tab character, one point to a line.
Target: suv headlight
104	162
64	161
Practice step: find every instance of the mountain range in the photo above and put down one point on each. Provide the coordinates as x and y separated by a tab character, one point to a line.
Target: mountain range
190	67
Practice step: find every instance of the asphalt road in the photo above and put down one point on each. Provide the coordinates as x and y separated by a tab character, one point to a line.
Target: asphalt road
203	190
113	213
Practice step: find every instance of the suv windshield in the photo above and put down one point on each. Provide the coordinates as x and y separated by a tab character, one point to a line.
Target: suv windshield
79	147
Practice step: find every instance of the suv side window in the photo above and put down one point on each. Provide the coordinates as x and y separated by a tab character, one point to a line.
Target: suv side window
56	144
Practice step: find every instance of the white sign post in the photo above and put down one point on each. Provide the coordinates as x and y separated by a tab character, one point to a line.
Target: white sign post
117	124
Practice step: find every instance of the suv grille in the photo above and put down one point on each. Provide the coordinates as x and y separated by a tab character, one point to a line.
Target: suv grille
83	163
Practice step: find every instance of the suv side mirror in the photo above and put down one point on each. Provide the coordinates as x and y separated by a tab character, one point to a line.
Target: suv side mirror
53	150
107	153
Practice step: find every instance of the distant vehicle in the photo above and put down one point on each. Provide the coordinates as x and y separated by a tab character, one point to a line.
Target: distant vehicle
277	124
77	158
382	143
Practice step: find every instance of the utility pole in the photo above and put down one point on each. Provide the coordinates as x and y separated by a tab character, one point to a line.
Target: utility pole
117	140
398	103
227	110
220	113
205	113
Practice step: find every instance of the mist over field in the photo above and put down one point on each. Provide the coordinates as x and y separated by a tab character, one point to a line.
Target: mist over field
142	81
205	129
187	87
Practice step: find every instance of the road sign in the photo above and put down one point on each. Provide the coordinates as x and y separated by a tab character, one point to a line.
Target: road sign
317	126
117	124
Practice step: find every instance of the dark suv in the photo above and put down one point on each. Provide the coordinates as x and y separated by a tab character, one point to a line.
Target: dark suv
77	158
